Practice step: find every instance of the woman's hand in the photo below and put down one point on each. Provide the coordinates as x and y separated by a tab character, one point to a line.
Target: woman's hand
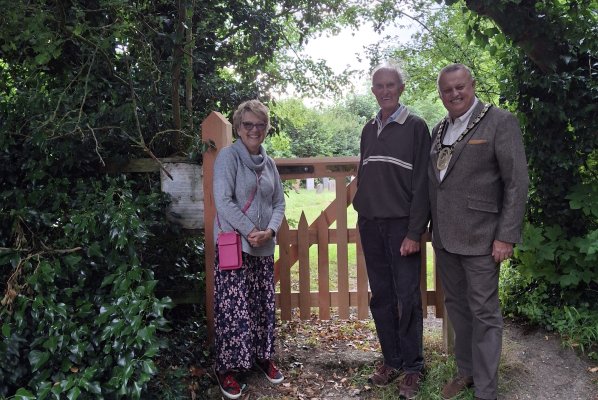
259	238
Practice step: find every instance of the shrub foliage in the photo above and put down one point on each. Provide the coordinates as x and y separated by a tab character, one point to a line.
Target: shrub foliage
79	314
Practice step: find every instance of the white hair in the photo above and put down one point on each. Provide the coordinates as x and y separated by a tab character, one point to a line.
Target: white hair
393	66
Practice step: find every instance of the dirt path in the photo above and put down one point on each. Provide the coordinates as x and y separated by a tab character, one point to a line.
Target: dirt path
538	367
329	360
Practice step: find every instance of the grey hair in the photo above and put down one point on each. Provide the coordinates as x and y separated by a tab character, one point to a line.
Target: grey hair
254	106
452	68
390	66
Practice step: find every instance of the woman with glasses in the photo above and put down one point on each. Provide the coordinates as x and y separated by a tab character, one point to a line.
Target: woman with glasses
249	198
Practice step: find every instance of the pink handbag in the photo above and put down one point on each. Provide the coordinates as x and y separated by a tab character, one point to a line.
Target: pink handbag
229	244
229	250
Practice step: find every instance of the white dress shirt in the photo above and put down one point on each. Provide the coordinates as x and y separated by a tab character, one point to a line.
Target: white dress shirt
455	128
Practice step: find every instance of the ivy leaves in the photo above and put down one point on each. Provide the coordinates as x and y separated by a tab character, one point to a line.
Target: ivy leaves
83	320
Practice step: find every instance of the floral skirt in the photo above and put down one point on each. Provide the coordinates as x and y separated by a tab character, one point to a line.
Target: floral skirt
244	314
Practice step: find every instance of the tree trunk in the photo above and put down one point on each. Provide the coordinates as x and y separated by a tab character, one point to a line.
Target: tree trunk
177	63
528	29
189	70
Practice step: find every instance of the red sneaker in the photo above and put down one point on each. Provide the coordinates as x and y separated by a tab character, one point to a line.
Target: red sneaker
269	369
229	386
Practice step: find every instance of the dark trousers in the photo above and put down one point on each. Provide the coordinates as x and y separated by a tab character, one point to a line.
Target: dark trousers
471	296
396	300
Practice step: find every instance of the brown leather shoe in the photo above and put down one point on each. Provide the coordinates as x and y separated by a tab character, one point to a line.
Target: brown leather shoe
409	385
456	386
384	375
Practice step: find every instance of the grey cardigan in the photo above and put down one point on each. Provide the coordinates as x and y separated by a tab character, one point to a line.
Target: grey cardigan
236	176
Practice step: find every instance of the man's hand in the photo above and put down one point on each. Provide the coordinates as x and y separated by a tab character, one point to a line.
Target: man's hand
409	247
501	250
259	238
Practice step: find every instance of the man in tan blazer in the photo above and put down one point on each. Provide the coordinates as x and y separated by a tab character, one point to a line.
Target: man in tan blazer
478	183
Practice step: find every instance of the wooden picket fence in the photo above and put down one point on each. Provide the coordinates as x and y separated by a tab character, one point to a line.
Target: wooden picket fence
294	247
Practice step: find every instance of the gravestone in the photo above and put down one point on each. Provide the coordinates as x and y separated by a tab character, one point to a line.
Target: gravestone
332	185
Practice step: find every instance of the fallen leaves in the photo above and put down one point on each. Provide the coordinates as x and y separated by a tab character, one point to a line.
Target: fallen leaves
197	372
308	355
354	333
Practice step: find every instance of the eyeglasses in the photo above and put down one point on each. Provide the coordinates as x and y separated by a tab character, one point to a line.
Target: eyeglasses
250	125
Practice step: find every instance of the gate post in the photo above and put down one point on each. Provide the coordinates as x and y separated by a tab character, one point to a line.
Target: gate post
217	131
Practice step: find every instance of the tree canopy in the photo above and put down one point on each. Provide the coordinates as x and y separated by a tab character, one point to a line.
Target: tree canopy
118	72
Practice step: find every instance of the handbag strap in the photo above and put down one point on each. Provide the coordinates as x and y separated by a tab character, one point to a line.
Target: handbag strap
249	201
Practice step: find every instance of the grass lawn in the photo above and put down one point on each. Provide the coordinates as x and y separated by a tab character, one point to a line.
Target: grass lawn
312	204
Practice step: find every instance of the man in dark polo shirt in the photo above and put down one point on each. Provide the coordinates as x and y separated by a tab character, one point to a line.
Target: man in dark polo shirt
393	211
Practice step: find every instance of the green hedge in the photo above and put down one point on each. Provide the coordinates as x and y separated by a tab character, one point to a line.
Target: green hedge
79	315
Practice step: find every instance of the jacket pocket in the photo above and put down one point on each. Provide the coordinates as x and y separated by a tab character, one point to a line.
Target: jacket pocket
478	141
482	205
